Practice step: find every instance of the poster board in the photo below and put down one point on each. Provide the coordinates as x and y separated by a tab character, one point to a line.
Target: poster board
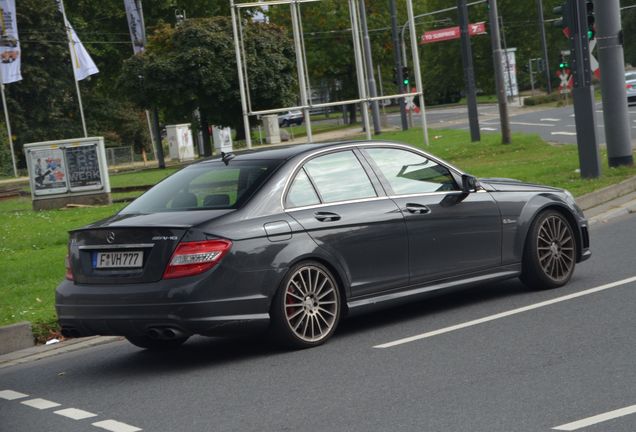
67	167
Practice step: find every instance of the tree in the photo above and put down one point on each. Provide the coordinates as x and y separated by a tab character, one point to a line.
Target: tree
193	66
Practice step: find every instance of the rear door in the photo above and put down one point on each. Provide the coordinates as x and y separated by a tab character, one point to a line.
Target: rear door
347	213
450	233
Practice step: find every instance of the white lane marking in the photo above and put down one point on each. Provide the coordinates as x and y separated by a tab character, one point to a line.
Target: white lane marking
532	124
115	426
550	120
564	133
572	115
40	404
597	419
507	314
488	129
12	395
75	414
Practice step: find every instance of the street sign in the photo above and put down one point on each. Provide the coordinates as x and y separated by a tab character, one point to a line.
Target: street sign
451	33
566	80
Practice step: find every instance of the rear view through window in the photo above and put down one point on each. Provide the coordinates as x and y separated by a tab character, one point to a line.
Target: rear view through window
205	186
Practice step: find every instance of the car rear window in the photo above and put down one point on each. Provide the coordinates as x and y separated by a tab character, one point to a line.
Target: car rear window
205	186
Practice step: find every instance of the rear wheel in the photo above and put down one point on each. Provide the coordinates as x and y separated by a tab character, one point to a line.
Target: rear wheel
156	344
306	308
550	252
285	123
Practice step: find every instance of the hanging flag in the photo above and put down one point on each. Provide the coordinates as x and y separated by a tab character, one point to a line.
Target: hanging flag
83	65
9	43
135	17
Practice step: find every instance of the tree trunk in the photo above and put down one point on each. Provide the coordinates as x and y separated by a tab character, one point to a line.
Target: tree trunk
352	113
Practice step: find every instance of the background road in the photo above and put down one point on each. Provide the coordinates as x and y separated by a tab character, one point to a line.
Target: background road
552	124
530	371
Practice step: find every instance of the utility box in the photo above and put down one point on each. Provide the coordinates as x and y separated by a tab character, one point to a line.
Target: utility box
68	172
180	144
272	130
222	139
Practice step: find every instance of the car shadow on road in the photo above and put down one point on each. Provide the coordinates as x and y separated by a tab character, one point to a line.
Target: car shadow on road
434	303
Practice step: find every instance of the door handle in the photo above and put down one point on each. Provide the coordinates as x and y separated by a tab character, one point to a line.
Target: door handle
417	208
326	216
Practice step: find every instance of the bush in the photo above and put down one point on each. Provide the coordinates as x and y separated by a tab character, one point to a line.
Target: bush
543	99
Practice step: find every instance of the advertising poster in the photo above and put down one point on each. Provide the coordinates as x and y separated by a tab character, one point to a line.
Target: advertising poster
83	168
10	56
48	171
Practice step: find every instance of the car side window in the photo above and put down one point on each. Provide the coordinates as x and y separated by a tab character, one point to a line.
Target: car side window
302	193
411	173
340	177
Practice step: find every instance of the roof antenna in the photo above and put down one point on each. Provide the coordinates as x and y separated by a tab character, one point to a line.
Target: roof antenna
227	157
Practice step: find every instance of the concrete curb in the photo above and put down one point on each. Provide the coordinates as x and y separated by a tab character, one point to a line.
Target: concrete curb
44	351
602	196
16	337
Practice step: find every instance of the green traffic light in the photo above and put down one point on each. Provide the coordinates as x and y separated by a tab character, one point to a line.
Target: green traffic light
406	82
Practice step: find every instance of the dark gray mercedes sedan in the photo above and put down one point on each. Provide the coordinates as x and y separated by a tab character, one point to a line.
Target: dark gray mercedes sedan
293	239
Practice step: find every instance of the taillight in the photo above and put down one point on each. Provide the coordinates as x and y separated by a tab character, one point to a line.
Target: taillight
67	263
629	86
192	258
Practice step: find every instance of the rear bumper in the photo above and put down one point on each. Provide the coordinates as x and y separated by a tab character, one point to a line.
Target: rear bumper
104	310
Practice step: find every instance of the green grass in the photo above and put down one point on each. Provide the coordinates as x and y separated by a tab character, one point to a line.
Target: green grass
528	158
33	244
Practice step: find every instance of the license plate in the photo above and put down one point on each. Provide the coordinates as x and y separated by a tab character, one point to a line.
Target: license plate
128	259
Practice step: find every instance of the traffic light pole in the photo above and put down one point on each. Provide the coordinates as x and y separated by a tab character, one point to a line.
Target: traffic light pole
583	92
544	46
398	64
469	72
497	54
611	59
375	112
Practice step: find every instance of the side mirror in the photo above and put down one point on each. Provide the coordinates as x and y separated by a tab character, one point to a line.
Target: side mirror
469	184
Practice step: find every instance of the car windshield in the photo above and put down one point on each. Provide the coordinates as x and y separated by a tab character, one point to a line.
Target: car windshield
205	186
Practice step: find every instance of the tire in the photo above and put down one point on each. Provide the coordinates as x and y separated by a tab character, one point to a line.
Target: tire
306	308
550	252
156	344
285	123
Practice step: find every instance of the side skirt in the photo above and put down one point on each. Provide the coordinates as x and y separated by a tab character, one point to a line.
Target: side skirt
412	293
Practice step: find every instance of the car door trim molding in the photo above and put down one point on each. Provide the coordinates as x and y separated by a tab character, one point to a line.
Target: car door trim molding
315	206
116	246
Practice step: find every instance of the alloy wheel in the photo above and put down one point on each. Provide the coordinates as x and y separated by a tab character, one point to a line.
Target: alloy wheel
556	248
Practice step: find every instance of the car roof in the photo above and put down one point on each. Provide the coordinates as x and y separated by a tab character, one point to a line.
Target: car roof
289	151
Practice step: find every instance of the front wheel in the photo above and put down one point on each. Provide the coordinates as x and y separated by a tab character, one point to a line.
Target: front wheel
306	308
550	252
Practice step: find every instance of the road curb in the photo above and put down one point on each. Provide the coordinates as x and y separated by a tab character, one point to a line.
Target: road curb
16	337
44	351
606	194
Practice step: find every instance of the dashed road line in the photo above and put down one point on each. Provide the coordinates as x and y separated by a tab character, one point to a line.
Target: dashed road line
564	133
488	129
75	414
532	124
40	404
506	314
115	426
12	395
611	415
550	120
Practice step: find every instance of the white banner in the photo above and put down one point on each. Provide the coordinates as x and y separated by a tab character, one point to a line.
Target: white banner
83	65
135	17
10	54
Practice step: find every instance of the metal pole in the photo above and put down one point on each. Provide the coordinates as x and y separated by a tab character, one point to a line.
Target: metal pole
416	68
544	45
381	90
499	73
531	75
300	64
469	71
239	66
160	158
6	119
71	48
611	59
507	59
357	50
375	112
398	63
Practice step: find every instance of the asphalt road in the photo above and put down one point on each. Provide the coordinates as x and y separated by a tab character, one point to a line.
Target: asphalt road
552	124
532	369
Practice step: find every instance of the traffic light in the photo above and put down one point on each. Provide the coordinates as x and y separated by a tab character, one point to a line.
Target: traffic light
563	62
591	20
405	75
564	12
